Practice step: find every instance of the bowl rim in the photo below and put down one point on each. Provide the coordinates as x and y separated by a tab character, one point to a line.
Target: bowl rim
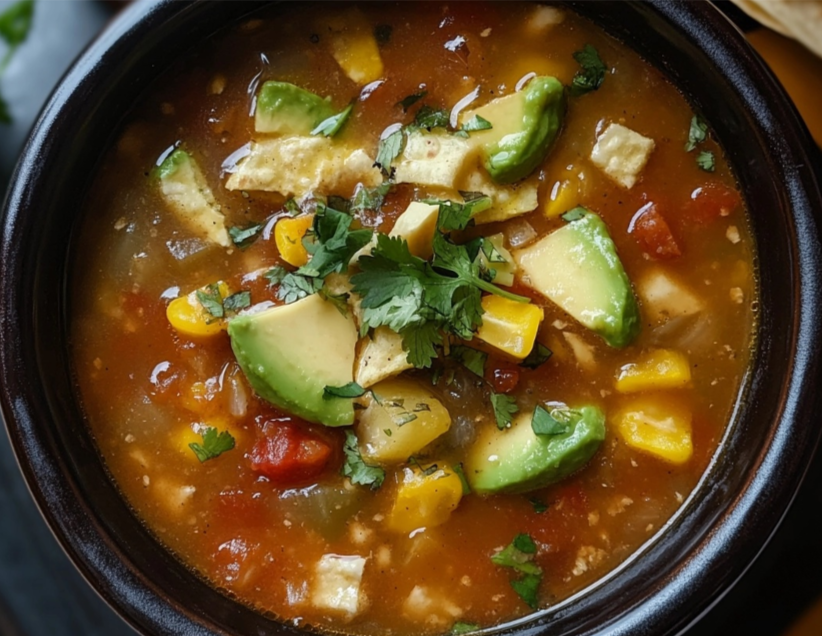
671	608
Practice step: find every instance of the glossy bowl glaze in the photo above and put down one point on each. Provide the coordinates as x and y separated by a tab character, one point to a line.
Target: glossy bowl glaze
675	578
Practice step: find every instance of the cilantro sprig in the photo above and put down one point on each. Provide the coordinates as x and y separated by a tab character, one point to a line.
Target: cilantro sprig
591	74
356	469
505	407
214	444
519	555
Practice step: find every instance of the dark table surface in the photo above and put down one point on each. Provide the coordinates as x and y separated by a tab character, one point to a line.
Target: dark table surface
41	594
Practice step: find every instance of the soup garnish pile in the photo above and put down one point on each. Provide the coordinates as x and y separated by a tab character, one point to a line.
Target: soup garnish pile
411	318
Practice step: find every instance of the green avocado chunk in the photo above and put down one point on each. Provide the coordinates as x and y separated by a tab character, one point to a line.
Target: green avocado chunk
287	109
578	268
524	127
291	353
516	460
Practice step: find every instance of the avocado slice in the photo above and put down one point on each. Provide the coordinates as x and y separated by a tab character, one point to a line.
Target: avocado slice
524	127
291	353
287	109
578	268
516	460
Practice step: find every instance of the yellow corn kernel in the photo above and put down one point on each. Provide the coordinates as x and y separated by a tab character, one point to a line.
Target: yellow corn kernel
354	47
188	316
655	370
658	424
564	196
288	234
424	501
510	326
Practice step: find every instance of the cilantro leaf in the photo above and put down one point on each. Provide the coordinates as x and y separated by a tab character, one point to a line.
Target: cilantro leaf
292	207
574	214
356	469
336	202
389	149
211	300
15	22
476	123
429	118
350	390
518	556
294	287
334	243
472	359
491	252
459	628
421	342
515	557
243	237
331	126
275	275
591	75
539	355
706	161
369	198
527	588
505	407
539	507
340	301
459	471
408	102
457	216
557	421
238	301
214	444
697	134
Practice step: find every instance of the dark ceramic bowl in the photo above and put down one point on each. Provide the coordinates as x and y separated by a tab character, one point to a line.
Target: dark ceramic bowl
663	589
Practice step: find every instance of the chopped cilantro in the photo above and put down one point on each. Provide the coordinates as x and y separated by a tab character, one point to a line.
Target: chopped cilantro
350	390
336	202
528	587
459	471
292	207
340	301
591	75
408	102
706	161
539	507
554	422
505	407
243	237
457	216
472	359
356	469
387	431
211	300
421	407
476	123
518	556
459	628
331	126
389	149
238	301
334	243
575	214
404	418
425	472
214	444
429	118
368	198
491	252
15	23
294	287
697	133
275	275
539	355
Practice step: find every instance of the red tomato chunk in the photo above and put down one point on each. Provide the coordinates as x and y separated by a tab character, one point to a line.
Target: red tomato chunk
287	455
653	233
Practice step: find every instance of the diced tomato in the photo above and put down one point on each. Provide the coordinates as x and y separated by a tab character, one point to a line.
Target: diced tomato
503	375
711	201
653	234
288	454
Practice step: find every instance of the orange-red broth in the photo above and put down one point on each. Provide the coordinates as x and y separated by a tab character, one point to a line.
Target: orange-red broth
144	386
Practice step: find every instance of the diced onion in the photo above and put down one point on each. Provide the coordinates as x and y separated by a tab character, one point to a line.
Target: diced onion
520	233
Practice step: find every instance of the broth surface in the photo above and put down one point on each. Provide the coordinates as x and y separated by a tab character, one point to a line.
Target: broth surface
147	389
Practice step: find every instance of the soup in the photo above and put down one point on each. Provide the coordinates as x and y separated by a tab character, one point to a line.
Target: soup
399	318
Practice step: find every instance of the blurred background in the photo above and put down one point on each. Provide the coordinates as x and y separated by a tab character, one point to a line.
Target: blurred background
41	594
